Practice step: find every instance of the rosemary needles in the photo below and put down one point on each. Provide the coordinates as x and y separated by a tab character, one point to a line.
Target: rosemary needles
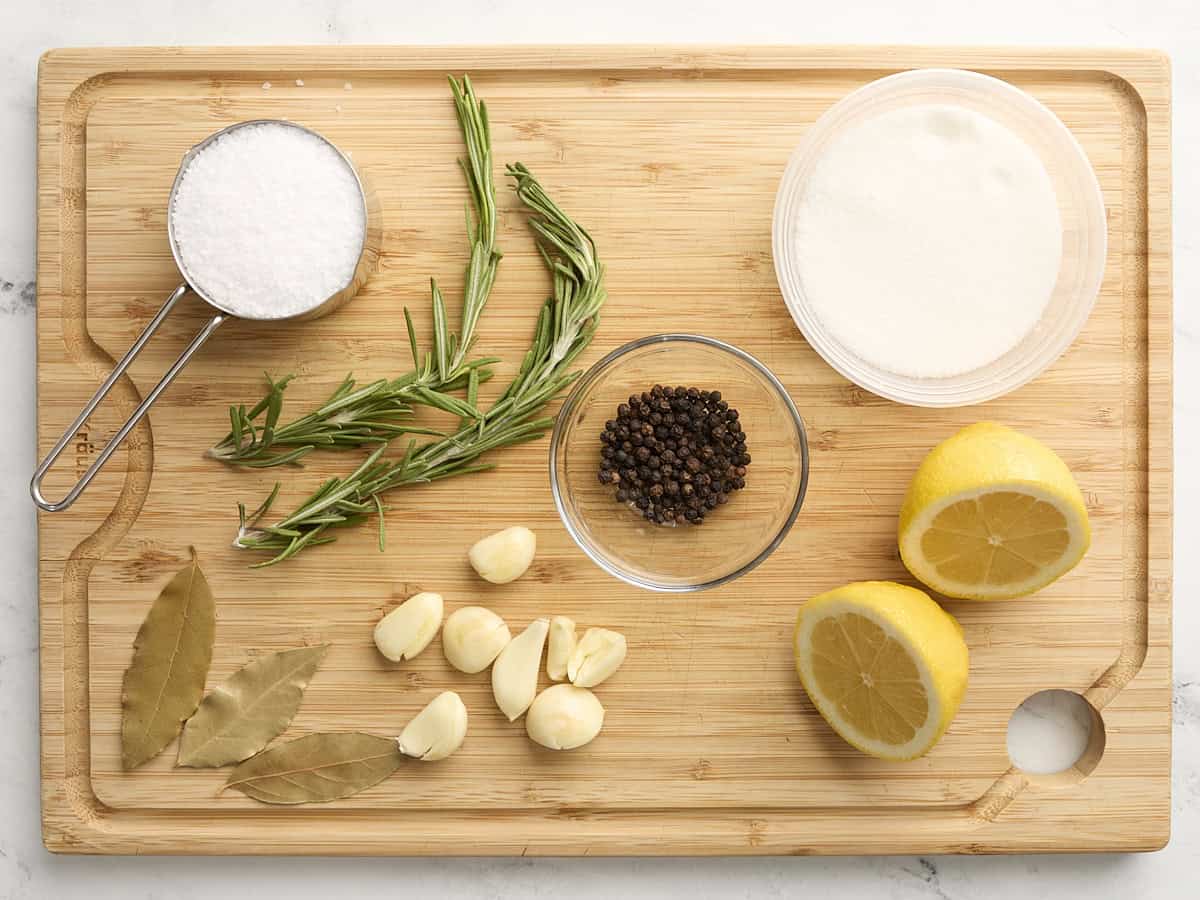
377	413
354	415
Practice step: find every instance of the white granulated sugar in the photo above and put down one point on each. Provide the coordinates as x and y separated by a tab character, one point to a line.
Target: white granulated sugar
299	82
266	85
269	221
928	240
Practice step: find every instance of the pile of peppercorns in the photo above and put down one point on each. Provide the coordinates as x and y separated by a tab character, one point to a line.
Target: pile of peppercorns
675	454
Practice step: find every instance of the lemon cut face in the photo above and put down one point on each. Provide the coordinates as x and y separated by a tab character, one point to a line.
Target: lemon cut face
870	678
1000	542
992	514
885	666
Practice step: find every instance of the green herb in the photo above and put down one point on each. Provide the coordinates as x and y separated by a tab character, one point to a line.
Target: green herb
354	416
565	326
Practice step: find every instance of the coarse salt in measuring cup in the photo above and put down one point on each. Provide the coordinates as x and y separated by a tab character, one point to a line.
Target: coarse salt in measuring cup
939	237
266	220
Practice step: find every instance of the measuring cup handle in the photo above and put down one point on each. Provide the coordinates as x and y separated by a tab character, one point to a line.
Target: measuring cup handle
35	486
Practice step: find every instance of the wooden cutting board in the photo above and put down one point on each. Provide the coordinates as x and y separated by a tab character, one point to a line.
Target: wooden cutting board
670	157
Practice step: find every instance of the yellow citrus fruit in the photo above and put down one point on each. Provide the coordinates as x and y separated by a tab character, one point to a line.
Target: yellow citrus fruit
884	665
992	514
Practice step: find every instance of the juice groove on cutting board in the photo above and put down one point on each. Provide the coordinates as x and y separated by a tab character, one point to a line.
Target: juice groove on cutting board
671	159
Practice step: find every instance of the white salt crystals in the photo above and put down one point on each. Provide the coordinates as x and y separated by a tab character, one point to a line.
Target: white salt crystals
268	220
928	239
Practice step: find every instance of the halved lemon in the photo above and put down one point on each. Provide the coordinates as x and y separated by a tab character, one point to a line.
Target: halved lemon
992	514
885	666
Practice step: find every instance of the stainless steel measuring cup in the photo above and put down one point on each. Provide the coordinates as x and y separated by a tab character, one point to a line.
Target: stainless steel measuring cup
368	261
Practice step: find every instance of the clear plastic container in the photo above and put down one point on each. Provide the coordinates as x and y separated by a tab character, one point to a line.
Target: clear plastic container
1081	209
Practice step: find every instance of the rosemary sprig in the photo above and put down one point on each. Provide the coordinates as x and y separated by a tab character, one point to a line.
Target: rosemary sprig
565	326
354	415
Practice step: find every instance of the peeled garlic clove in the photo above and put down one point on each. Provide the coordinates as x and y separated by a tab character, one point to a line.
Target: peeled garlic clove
598	654
408	629
562	645
437	730
515	672
564	717
472	637
503	556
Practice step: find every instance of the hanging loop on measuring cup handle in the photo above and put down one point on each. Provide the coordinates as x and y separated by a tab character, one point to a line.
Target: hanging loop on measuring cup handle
35	486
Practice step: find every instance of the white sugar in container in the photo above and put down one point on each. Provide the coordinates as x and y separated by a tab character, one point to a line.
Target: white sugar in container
939	237
266	220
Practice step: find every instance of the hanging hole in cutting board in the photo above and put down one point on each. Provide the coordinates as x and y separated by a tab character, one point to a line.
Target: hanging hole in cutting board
1056	737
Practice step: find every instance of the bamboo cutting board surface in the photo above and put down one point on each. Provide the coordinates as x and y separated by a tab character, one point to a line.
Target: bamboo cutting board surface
670	157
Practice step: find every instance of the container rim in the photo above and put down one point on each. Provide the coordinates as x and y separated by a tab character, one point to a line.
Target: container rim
979	385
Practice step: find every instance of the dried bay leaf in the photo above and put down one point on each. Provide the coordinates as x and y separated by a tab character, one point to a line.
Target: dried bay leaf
171	655
242	714
317	768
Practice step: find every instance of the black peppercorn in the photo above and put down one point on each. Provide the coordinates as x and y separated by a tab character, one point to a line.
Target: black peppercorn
674	454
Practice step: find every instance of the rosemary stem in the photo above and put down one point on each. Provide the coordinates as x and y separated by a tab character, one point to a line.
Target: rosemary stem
565	325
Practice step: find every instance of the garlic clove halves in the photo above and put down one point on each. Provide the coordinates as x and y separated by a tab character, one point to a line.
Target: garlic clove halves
503	556
472	637
408	629
598	654
515	672
564	717
437	730
562	645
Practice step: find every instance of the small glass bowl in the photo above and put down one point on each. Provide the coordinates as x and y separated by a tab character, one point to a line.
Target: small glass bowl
735	537
1081	210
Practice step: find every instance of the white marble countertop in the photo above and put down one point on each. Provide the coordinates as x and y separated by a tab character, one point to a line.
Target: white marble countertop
29	28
